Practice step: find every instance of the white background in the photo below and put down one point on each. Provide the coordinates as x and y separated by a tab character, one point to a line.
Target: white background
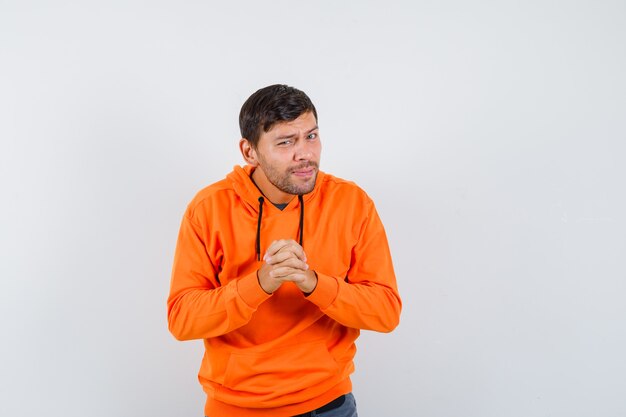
491	135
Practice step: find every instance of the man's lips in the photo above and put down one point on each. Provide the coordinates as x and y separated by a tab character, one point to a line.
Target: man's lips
304	172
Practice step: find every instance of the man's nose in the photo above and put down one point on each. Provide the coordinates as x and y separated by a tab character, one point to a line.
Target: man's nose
303	151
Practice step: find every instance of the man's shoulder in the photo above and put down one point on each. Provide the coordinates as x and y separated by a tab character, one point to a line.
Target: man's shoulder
340	187
332	181
220	190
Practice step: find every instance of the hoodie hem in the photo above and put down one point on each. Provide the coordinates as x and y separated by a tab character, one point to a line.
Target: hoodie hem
215	408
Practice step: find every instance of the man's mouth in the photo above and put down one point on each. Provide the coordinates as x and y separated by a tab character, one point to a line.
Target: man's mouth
304	171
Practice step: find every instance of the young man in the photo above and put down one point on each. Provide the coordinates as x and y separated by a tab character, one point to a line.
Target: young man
277	268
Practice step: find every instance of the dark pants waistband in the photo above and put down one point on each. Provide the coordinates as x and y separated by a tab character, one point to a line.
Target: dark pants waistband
336	403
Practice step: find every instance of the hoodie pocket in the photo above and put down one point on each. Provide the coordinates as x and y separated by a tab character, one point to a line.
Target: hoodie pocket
280	371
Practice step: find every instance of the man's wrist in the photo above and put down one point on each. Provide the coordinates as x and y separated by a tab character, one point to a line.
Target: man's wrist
306	294
258	279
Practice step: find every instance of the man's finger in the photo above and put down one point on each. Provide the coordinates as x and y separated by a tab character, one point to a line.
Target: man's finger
284	272
283	256
284	246
275	246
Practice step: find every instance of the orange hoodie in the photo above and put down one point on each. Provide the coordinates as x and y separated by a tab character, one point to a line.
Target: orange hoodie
285	353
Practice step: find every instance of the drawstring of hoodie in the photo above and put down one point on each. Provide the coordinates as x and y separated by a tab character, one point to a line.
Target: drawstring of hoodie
301	200
258	226
258	230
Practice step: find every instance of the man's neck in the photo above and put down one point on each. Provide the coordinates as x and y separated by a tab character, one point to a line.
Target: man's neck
262	183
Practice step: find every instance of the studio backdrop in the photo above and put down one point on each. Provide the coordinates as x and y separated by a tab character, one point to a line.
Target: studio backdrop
491	136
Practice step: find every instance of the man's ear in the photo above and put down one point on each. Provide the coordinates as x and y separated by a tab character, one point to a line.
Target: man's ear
248	152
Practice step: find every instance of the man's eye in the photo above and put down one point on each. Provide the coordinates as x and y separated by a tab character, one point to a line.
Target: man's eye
312	136
284	143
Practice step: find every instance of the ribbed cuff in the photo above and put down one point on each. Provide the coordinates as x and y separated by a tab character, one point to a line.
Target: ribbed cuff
325	292
250	290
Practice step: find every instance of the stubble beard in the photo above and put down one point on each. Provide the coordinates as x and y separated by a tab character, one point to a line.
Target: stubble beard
284	181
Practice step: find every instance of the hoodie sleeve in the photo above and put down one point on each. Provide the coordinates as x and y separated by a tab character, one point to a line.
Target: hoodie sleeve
198	307
368	297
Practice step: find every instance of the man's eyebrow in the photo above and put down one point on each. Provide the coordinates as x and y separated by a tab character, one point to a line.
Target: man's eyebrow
293	135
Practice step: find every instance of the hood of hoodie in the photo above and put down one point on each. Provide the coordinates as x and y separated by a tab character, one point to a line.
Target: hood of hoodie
245	188
250	194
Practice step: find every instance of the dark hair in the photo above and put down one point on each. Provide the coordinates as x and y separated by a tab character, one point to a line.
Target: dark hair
270	105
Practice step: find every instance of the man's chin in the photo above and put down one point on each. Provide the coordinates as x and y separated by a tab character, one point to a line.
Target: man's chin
303	187
309	182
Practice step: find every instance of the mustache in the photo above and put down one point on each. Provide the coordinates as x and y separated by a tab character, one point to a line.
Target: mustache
310	164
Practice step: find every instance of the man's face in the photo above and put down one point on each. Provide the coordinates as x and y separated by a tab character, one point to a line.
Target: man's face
288	157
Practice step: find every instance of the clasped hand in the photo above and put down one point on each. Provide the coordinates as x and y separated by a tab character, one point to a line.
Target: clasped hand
285	261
